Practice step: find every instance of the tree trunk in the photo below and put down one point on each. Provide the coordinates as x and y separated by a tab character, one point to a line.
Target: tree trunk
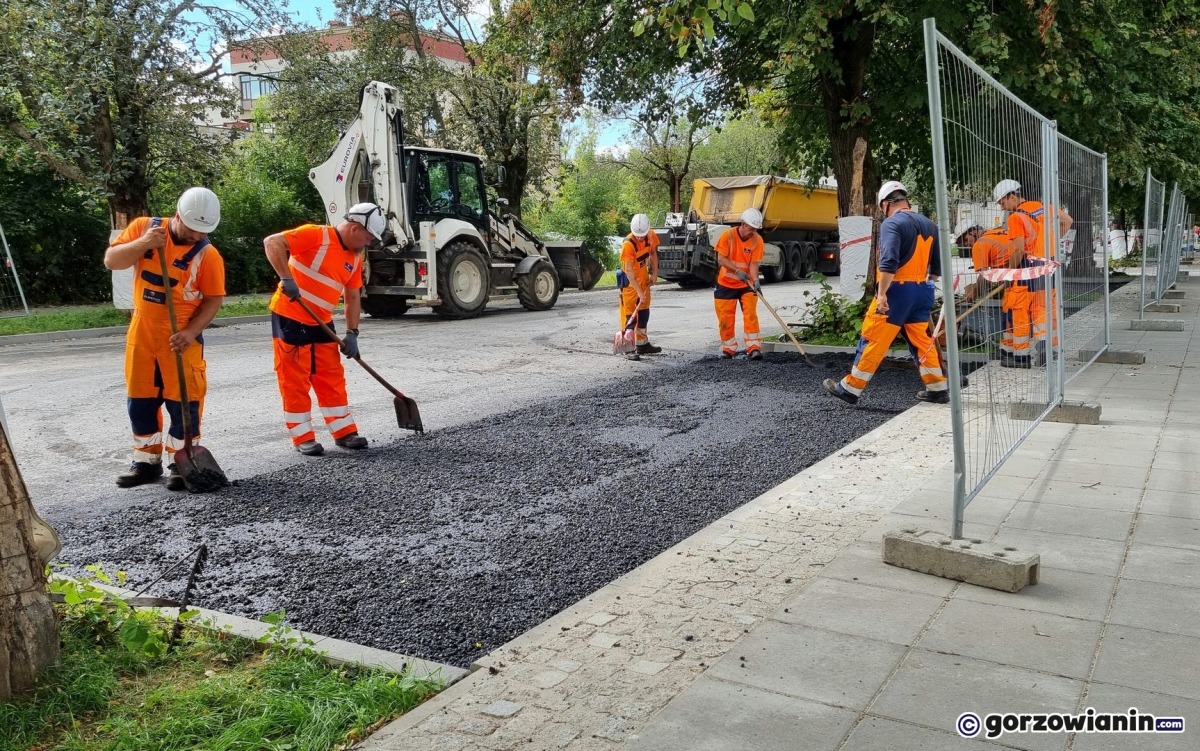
28	631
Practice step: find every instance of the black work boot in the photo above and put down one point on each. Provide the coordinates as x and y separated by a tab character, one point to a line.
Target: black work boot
934	397
835	388
351	441
175	480
648	349
310	448
755	354
140	473
726	355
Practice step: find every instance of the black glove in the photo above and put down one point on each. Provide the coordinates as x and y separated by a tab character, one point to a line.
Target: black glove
290	290
350	345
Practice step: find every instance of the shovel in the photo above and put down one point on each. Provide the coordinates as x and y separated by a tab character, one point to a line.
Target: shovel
624	341
197	467
408	417
786	329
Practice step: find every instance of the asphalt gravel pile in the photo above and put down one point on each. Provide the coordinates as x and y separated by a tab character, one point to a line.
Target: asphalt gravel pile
446	546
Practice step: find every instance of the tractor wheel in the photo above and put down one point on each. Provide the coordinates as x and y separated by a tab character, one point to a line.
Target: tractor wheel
464	281
538	290
385	306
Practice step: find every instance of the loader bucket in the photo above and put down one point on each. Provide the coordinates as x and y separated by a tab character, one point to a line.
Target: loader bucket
575	266
590	270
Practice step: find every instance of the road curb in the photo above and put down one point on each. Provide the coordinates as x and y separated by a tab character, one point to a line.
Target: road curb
97	333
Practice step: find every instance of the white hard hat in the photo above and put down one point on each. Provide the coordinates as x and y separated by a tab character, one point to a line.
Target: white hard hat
888	188
370	216
639	225
753	217
1003	188
963	226
199	210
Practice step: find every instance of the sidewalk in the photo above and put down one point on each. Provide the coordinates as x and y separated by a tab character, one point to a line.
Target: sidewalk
779	627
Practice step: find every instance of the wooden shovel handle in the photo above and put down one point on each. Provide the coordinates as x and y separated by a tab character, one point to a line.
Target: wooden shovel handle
185	408
329	332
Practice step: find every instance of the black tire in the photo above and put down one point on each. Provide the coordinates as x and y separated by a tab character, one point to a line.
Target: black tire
538	290
464	281
385	306
776	273
795	262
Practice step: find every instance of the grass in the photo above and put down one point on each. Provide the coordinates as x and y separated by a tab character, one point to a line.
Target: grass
212	692
99	316
607	279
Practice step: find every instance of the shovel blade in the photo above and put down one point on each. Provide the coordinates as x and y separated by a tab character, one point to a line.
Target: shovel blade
408	417
199	470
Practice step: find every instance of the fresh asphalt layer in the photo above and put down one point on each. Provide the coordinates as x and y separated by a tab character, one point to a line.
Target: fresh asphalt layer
447	545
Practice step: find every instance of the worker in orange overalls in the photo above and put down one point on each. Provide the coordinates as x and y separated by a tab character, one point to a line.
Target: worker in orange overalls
909	266
639	269
739	251
993	249
320	264
197	286
1027	223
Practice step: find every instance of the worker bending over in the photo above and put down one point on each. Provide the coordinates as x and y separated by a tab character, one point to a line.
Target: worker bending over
739	251
639	269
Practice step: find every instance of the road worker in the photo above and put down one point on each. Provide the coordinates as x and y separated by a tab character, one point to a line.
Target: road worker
321	265
909	266
739	251
197	287
639	269
994	250
1027	223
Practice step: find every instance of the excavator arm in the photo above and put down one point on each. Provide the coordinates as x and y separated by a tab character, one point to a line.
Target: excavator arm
368	164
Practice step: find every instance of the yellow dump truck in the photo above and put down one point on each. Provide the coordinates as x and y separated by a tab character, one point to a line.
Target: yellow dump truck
799	228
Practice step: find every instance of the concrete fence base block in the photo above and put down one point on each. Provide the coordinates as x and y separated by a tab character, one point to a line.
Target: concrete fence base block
1114	356
1077	413
974	561
1163	307
1155	325
1175	294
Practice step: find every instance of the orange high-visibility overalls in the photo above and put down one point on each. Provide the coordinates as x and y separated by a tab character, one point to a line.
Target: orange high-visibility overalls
731	292
910	300
305	358
637	251
1028	223
993	250
151	377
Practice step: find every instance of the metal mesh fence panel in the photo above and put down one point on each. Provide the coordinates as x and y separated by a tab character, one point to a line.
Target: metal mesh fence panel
12	296
999	170
1083	252
1152	224
1172	246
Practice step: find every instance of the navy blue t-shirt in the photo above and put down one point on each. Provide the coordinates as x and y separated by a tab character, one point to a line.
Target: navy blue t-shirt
898	240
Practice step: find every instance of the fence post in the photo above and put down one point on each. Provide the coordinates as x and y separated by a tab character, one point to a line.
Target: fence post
13	265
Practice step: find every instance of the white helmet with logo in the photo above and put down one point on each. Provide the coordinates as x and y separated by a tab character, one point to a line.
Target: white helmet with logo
752	217
199	210
639	225
370	216
1003	188
888	188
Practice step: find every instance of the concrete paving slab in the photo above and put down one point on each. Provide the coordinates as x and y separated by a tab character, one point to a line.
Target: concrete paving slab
1158	607
1130	456
808	663
1118	699
1163	503
1109	497
984	510
932	689
1149	660
1168	531
857	609
880	734
749	719
1021	638
1174	480
863	563
1088	474
1049	517
1087	554
1175	566
1058	591
898	522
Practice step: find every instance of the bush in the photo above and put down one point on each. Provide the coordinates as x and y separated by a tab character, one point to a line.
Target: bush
830	318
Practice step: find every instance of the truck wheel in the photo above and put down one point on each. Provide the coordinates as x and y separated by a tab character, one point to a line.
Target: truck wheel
385	306
776	273
538	290
464	281
795	262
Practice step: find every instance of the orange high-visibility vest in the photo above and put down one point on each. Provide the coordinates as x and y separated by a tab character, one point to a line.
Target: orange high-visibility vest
741	252
322	267
992	250
1028	222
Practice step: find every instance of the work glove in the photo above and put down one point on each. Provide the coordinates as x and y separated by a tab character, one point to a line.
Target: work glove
743	276
290	290
350	345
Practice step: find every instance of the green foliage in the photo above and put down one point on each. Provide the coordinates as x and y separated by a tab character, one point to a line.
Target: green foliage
57	233
264	190
830	318
115	687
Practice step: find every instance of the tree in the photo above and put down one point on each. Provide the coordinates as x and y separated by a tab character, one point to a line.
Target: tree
662	151
109	94
28	630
